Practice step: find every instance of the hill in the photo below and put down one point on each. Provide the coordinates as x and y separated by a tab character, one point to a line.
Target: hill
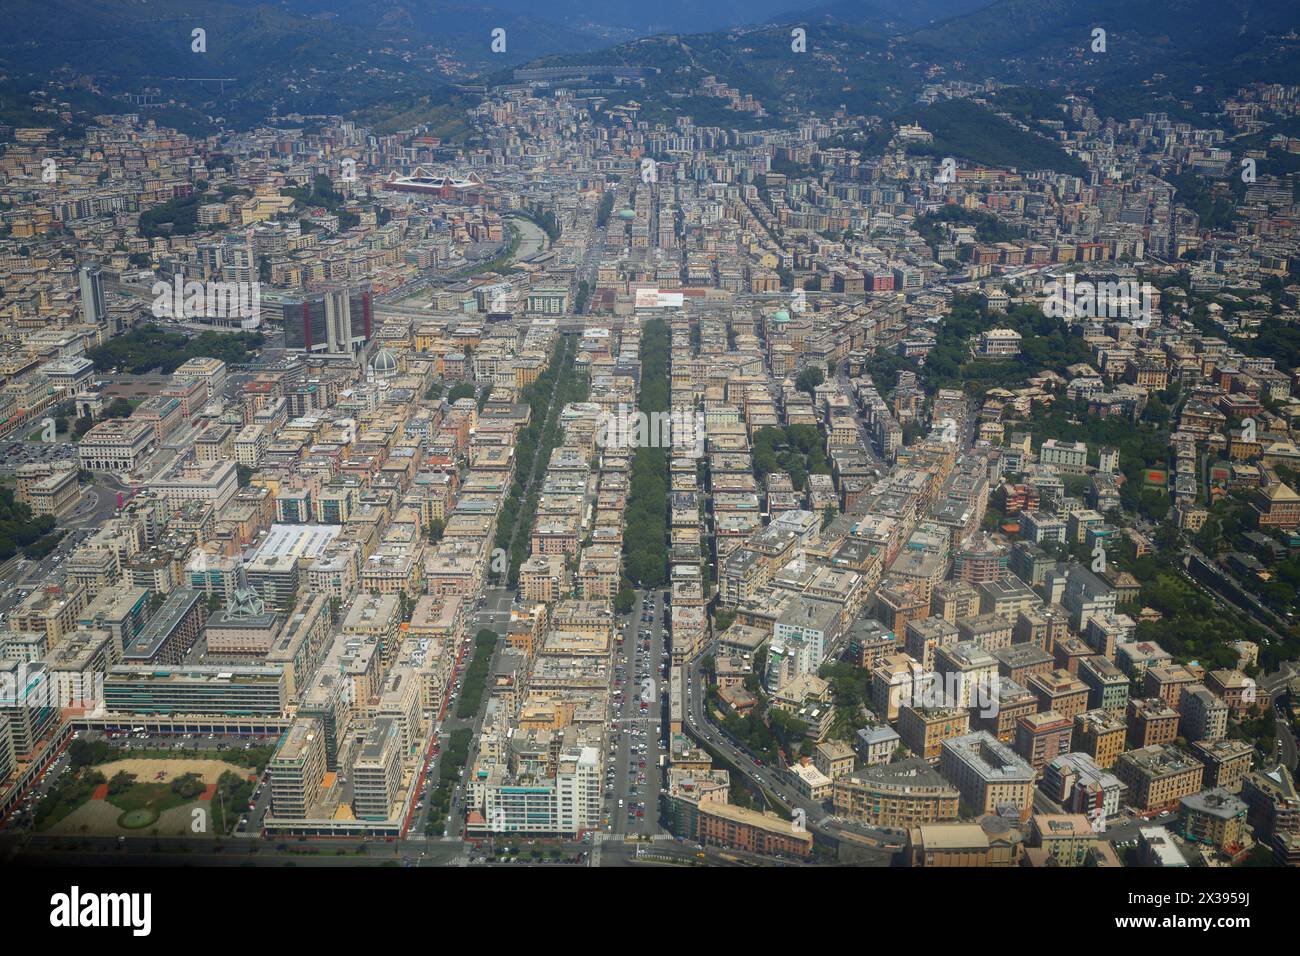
887	16
259	61
966	130
872	57
1051	39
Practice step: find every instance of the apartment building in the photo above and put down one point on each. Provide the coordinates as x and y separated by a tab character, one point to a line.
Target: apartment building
1042	737
1060	691
1158	777
733	827
1151	722
377	770
215	690
1215	817
297	770
903	794
923	729
987	773
1076	782
1227	762
1067	839
1067	457
1101	735
1204	715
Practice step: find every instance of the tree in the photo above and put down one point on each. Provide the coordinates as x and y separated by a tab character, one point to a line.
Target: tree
645	538
1168	537
460	390
118	408
188	785
436	528
1154	504
809	379
20	529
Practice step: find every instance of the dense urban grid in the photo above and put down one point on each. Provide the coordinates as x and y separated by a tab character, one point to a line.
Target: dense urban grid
610	474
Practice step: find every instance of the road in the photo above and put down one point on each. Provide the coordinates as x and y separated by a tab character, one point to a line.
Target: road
637	701
1275	684
771	783
532	240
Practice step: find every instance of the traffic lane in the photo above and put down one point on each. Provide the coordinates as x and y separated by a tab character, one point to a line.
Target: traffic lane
643	765
622	702
746	762
656	661
632	727
778	785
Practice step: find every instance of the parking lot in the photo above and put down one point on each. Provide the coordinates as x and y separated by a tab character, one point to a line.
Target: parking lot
19	453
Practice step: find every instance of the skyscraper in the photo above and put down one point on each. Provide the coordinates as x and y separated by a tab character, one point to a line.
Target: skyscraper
93	308
334	320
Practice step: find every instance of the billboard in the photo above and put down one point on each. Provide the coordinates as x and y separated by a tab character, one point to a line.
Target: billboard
656	299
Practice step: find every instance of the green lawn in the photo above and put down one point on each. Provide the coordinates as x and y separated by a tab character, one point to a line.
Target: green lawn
72	790
158	797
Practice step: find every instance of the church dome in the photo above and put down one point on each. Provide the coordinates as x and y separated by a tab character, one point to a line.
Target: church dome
384	364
